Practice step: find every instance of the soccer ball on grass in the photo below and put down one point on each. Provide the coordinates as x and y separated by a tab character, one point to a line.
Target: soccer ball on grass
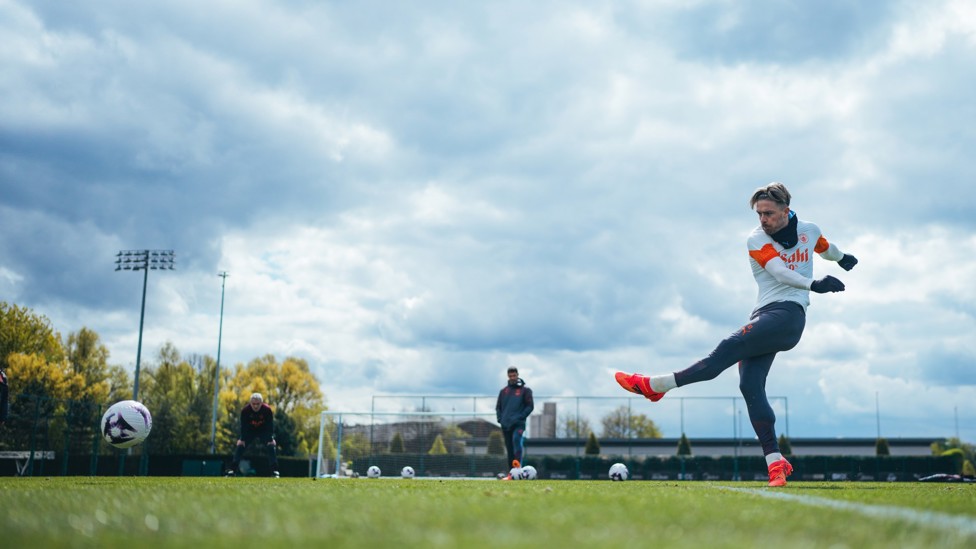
529	473
407	472
618	471
373	472
126	424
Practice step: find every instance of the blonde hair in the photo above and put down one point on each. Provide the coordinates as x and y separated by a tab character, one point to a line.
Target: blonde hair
775	192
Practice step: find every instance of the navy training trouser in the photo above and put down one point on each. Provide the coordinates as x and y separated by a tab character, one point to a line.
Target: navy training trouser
514	442
773	328
270	449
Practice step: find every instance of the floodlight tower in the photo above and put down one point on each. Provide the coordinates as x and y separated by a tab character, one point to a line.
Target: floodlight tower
220	334
143	260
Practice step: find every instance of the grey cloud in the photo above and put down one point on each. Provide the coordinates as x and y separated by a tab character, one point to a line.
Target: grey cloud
777	32
598	160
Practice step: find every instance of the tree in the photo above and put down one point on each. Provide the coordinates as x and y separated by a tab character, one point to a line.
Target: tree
622	423
571	426
785	447
592	445
968	470
438	448
88	358
119	384
328	449
33	374
43	390
355	446
496	444
180	400
286	433
396	444
22	331
68	385
39	383
684	446
968	450
881	447
454	439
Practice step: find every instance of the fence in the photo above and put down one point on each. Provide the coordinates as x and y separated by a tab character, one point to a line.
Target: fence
48	436
574	417
45	436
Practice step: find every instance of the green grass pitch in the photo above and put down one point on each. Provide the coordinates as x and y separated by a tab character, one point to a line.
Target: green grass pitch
256	512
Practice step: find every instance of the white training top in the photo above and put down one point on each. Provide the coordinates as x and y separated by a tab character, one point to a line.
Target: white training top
785	275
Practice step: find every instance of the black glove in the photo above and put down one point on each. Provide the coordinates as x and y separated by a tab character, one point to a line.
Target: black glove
847	262
827	284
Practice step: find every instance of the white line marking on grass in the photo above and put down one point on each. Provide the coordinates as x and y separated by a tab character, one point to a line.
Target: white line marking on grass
930	519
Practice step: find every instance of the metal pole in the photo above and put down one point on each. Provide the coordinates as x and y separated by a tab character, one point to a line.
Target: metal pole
786	402
142	318
321	454
877	412
220	334
682	401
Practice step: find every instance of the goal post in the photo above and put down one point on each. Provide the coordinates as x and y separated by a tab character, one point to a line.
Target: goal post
434	444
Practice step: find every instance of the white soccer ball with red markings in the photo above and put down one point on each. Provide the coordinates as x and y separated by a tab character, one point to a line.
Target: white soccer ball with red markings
126	424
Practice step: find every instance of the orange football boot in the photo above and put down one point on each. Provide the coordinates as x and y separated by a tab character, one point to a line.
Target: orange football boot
637	383
778	472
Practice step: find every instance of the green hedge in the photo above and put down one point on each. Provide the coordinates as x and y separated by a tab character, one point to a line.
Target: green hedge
747	467
425	465
881	468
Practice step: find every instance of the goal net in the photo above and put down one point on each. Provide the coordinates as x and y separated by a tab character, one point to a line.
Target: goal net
434	444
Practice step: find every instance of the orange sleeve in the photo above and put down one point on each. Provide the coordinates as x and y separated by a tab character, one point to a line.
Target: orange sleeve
821	246
764	254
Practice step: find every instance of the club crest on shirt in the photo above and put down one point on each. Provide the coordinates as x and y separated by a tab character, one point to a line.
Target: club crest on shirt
803	238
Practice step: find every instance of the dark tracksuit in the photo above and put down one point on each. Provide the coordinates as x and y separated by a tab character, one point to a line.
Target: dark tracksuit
513	407
257	427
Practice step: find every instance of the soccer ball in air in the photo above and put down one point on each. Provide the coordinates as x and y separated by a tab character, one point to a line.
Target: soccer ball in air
373	472
618	471
529	473
126	424
407	472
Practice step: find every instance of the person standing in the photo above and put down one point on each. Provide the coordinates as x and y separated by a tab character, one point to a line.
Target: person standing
257	426
512	409
781	253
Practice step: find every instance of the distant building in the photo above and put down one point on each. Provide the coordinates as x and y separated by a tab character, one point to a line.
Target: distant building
543	425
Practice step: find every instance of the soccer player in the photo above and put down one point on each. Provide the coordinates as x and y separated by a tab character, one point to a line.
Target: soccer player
513	407
257	425
781	253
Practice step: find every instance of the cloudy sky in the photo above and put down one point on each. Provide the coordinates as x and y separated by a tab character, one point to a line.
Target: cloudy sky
414	196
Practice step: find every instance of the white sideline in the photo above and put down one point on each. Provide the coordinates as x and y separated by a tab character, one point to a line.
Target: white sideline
930	519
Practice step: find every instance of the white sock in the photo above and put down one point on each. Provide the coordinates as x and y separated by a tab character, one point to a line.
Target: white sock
773	458
662	384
